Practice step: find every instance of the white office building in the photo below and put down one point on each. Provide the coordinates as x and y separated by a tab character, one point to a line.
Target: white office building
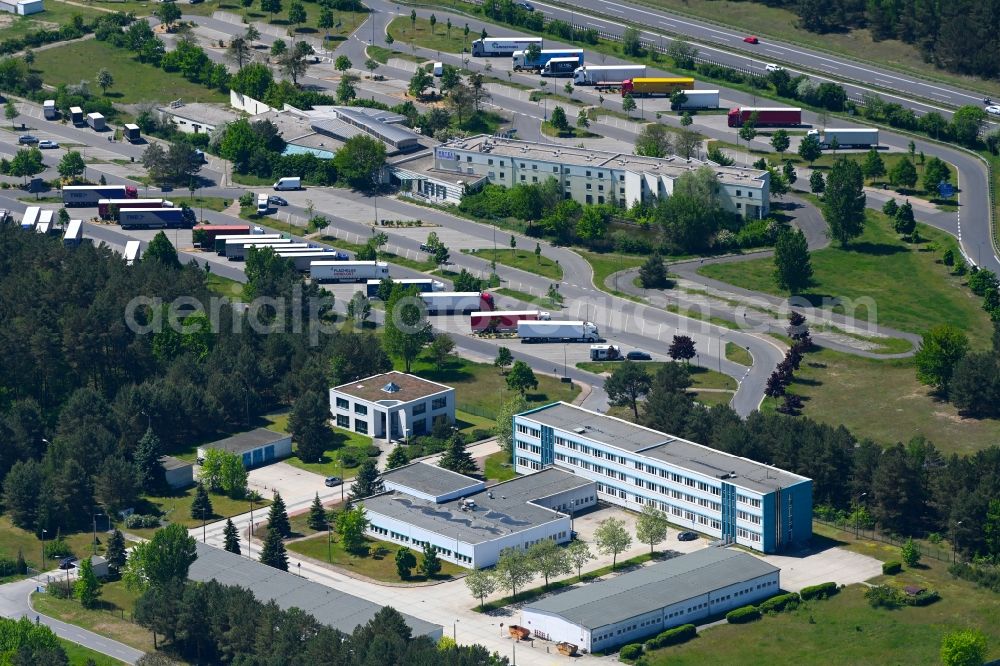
469	524
393	405
724	496
585	175
644	602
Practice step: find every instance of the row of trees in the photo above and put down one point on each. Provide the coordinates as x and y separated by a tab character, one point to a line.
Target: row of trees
690	220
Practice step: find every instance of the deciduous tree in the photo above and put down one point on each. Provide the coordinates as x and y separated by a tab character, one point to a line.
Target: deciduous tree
481	583
521	378
792	266
681	348
612	538
351	526
513	570
87	588
579	554
431	564
941	349
844	201
780	141
503	429
549	559
627	384
651	526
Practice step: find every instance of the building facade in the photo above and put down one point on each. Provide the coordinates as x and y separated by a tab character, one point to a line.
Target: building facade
644	602
724	496
468	525
392	405
594	176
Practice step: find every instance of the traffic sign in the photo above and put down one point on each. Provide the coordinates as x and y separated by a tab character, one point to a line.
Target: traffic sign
946	190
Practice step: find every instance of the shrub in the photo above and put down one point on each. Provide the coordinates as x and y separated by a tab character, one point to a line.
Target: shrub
925	598
821	591
60	589
743	615
480	434
57	548
349	459
983	576
891	568
883	596
780	603
373	451
138	521
630	652
674	636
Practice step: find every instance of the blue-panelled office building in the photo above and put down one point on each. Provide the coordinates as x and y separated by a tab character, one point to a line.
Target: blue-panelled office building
721	495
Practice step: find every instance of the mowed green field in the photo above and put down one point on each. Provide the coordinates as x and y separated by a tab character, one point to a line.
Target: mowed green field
134	81
909	289
884	401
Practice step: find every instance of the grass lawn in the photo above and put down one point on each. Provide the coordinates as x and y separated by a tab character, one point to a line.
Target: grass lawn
845	629
737	354
606	263
382	568
467	423
910	290
134	81
783	24
383	256
106	620
540	301
218	204
330	463
349	22
382	55
700	377
176	508
712	398
56	14
81	656
419	33
524	260
482	122
481	387
884	401
13	539
572	133
497	467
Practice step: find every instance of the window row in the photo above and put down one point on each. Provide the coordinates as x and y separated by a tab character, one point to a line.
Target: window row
749	501
530	432
747	534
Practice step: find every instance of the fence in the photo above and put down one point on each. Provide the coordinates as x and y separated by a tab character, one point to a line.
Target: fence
940	553
476	411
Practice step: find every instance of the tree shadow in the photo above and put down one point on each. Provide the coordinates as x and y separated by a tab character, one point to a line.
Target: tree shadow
875	249
807	382
306	31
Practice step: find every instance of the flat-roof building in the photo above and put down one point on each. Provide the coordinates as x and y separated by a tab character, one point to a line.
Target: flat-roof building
256	447
176	472
685	589
392	405
336	609
472	529
595	176
197	117
732	498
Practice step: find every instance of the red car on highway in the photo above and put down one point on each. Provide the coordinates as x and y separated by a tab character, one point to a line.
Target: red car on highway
752	39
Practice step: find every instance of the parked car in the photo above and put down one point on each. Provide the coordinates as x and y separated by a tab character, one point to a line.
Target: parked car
771	67
424	247
67	563
526	6
333	481
47	144
993	109
638	355
687	536
751	39
27	139
276	201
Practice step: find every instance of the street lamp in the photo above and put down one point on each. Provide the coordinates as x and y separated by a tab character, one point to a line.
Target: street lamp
721	336
94	516
565	345
857	514
454	631
329	544
41	567
954	541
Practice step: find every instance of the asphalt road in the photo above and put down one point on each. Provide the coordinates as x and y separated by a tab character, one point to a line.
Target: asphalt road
14	603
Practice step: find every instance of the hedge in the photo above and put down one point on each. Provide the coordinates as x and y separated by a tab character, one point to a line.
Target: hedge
779	603
631	651
743	615
821	590
925	598
891	567
674	636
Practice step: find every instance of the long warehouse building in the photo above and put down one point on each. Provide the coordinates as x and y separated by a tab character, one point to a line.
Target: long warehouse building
725	496
644	602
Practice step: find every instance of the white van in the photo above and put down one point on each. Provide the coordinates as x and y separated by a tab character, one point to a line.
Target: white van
438	68
262	205
291	183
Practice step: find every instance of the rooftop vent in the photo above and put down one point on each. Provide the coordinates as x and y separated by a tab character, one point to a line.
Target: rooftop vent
391	387
580	430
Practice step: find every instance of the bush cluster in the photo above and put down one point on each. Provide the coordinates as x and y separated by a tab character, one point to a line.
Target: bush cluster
631	651
743	615
820	591
891	568
138	521
984	575
674	636
780	603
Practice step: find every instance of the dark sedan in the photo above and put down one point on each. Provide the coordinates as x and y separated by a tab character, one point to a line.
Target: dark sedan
687	536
